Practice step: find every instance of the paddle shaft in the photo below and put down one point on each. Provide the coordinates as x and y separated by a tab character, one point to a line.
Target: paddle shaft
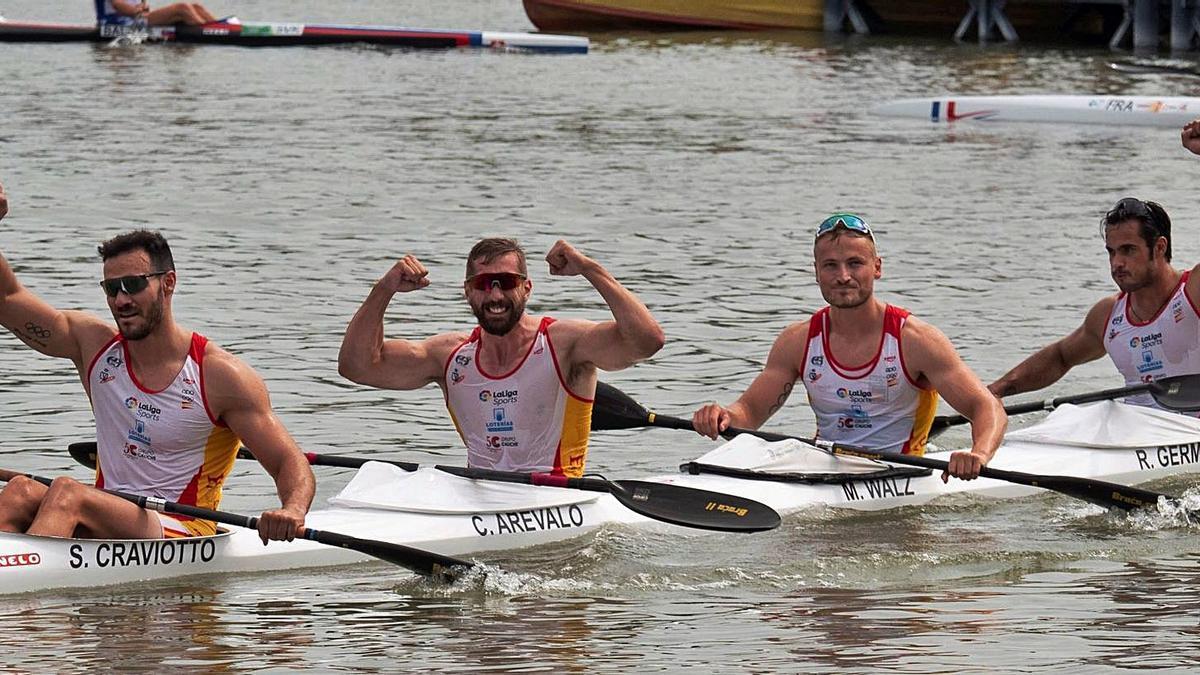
421	562
1095	491
1180	393
688	507
1049	404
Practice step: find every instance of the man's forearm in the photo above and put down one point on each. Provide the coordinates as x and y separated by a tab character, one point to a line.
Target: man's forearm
634	320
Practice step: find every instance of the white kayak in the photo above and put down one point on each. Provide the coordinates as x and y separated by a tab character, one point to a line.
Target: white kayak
1149	111
436	511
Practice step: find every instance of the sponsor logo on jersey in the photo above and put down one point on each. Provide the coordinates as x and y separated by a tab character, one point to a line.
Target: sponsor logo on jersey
499	396
500	422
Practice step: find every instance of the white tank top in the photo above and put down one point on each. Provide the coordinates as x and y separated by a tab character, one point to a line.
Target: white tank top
876	405
1165	346
158	443
524	420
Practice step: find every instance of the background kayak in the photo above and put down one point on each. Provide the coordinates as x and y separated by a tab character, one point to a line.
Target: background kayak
1171	112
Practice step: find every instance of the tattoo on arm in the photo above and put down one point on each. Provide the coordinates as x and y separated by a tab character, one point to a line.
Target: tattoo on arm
33	334
783	397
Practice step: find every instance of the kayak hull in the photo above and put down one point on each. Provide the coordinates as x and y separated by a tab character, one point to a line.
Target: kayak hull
443	513
276	34
1150	111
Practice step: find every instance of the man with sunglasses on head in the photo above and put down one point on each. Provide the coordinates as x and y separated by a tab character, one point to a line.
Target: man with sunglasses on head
171	409
1150	329
518	387
871	370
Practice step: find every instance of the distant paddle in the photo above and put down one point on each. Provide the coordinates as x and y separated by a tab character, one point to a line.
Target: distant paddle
426	563
1152	68
675	504
1180	393
632	414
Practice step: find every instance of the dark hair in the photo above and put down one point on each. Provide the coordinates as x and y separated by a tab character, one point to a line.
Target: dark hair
152	243
1152	218
493	247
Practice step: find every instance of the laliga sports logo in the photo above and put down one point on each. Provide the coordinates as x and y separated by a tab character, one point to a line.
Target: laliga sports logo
841	392
131	403
1134	342
485	396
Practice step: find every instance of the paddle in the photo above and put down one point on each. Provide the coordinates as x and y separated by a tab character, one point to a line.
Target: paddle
1180	393
1095	491
1145	68
422	562
675	504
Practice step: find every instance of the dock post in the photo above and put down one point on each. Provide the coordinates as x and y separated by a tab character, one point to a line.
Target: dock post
1145	24
987	15
1185	23
837	12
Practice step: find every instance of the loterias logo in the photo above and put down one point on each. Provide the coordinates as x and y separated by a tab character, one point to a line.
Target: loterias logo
20	559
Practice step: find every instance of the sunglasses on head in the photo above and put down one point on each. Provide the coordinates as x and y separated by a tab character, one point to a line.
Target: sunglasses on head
505	281
132	284
1130	207
847	221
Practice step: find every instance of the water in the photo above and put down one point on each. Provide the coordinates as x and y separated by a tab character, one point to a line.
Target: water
694	166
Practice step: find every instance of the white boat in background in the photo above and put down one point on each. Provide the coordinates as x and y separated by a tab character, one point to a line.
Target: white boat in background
432	510
1147	111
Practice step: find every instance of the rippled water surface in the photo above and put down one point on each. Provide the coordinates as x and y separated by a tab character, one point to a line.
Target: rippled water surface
694	166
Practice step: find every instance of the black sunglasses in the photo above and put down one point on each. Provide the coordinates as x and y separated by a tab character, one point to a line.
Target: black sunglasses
131	284
1131	207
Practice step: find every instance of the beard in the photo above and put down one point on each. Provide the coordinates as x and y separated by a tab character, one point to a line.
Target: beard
847	301
151	314
498	324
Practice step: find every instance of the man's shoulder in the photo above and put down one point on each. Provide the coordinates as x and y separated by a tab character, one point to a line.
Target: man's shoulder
222	366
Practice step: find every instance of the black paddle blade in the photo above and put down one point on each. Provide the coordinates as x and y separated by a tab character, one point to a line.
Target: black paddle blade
614	409
84	452
427	563
691	507
1181	394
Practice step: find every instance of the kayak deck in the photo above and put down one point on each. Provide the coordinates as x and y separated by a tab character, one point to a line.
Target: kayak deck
443	513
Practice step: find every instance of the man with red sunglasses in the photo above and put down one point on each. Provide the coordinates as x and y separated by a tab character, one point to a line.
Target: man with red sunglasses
171	409
518	387
871	370
1150	329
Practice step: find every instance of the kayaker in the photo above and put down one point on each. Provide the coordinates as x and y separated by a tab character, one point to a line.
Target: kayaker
871	370
170	408
3	202
1191	136
1150	329
519	387
128	12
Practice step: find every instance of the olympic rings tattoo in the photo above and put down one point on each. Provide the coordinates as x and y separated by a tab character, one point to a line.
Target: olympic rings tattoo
36	330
